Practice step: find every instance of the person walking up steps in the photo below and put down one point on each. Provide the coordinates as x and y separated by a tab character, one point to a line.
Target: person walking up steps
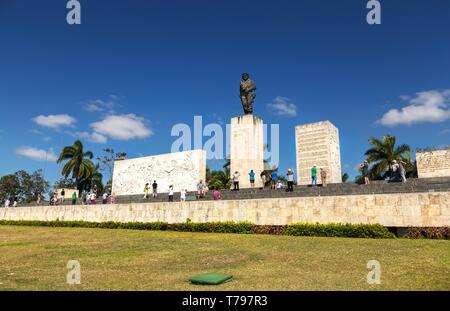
146	191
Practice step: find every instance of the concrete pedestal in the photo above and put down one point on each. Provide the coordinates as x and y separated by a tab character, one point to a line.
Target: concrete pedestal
318	143
247	148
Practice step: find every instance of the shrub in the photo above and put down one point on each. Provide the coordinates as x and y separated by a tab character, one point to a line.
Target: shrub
339	230
269	229
442	233
299	229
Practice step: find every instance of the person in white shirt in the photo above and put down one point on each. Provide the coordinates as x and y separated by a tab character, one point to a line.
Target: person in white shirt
236	181
105	198
170	193
7	202
92	198
183	195
279	185
15	203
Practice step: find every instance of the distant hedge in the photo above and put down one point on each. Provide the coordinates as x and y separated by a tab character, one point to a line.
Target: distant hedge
299	229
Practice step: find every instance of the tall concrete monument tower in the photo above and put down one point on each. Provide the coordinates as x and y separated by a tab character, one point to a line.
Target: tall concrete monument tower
318	143
247	138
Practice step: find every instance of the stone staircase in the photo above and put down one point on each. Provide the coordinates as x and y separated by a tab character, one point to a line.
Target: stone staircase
376	187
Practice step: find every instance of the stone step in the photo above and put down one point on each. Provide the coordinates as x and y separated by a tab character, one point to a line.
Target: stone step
376	187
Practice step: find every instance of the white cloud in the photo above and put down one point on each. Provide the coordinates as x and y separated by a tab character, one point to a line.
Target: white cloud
99	105
430	106
93	107
122	127
36	154
283	106
94	137
54	121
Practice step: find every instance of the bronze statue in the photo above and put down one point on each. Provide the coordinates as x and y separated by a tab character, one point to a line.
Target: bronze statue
247	93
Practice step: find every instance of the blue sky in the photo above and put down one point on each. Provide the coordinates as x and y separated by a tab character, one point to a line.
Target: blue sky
133	69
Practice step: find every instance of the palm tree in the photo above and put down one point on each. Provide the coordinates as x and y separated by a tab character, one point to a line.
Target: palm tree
383	153
95	179
78	164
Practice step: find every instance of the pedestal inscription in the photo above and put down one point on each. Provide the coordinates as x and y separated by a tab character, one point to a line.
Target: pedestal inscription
318	143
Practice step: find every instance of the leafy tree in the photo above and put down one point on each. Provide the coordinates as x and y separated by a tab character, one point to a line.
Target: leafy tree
383	153
68	183
218	179
345	177
9	186
78	164
108	159
23	186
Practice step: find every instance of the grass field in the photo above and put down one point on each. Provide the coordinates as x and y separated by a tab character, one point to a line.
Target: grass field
35	258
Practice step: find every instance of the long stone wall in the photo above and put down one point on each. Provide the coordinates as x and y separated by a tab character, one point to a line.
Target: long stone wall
396	210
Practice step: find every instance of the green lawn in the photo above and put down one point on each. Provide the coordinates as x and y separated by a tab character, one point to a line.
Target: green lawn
35	258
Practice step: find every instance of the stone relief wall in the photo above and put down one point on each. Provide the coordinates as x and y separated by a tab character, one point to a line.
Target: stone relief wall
434	163
183	170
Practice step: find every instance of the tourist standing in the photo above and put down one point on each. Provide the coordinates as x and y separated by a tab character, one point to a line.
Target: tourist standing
105	198
365	171
217	195
252	179
113	198
15	202
236	176
155	189
323	177
205	190
38	199
83	197
395	176
290	180
146	191
263	180
7	203
63	196
200	187
274	177
279	185
74	198
170	193
183	195
92	198
314	175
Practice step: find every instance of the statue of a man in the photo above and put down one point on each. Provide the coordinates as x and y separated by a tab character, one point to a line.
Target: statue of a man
247	92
